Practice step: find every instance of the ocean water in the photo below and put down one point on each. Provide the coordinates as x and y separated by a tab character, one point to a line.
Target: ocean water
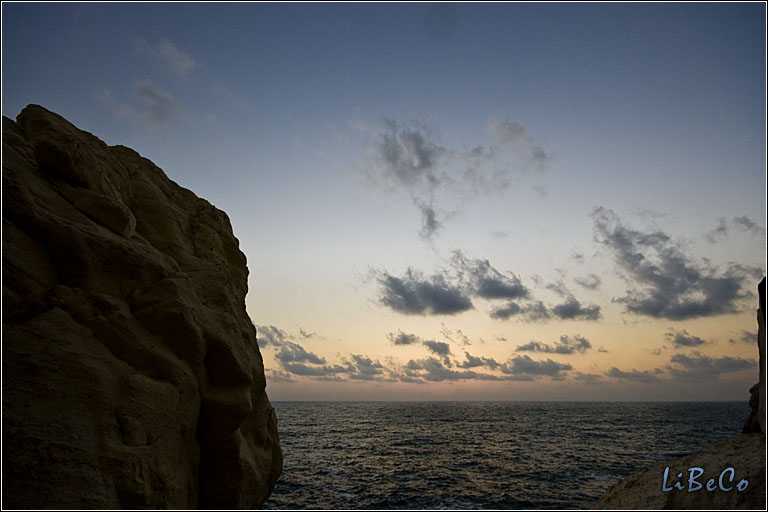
481	455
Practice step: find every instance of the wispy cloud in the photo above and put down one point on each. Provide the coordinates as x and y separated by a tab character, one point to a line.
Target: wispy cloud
745	336
590	281
664	282
742	223
166	53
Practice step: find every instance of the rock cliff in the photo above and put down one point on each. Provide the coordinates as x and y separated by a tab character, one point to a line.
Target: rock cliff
131	373
745	454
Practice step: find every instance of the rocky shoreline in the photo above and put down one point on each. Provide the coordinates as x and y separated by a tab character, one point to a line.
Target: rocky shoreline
711	479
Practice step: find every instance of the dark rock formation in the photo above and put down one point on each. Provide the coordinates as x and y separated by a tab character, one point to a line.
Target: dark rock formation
131	373
756	420
745	454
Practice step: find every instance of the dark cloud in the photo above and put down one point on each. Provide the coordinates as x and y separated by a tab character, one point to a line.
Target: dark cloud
745	337
294	353
485	281
524	365
437	347
587	378
363	368
746	224
645	377
572	309
475	362
590	281
665	282
683	339
270	335
697	366
415	295
531	312
433	370
566	345
402	338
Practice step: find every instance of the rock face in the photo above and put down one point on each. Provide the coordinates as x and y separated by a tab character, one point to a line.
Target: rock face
745	454
756	420
131	373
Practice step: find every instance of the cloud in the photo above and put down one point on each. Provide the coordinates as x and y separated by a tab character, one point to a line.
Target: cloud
270	335
663	281
590	282
170	56
645	377
742	223
429	223
683	339
483	280
475	362
566	345
532	312
697	366
433	370
587	378
408	154
524	365
511	134
572	309
745	337
293	352
155	104
456	336
364	368
402	338
437	347
306	335
415	295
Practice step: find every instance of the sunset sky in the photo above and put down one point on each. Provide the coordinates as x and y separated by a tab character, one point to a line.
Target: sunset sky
450	201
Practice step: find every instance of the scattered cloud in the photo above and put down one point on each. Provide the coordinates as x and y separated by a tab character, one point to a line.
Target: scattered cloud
697	366
587	378
429	223
408	154
402	338
644	377
291	352
169	56
524	365
590	281
663	281
306	335
456	336
475	362
437	347
683	339
566	345
573	309
745	337
433	370
742	223
270	335
413	294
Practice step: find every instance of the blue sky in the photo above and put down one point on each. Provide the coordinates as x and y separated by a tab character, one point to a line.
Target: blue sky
386	166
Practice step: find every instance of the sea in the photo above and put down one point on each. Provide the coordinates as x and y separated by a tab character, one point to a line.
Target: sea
481	455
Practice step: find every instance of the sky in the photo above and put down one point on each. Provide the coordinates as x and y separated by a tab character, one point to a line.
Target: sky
450	201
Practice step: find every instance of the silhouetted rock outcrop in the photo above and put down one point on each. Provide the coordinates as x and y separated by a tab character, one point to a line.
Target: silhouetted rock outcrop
131	373
745	454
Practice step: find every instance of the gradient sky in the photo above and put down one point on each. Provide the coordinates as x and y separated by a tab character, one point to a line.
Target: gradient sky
450	201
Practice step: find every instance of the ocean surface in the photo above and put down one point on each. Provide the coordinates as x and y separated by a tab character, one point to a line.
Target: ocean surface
481	455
